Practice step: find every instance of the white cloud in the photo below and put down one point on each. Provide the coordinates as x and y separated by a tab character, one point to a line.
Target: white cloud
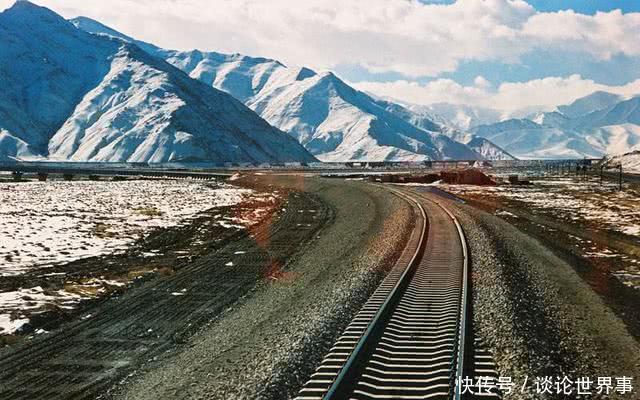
601	35
405	36
507	97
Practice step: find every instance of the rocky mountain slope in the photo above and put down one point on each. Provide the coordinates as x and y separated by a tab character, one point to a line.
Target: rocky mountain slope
71	95
331	119
585	105
424	118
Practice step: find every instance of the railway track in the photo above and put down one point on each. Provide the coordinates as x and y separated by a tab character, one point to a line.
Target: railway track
409	341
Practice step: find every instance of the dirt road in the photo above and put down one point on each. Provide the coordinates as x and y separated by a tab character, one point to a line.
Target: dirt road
268	345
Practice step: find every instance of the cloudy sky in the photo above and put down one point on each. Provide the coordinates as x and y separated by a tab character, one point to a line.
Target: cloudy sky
506	54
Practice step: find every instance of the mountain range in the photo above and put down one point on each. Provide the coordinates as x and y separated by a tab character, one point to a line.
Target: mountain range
79	90
593	126
72	95
332	120
336	122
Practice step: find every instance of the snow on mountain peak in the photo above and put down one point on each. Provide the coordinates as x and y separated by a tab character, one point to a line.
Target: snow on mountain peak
597	100
73	95
330	118
304	73
609	128
337	123
46	71
93	26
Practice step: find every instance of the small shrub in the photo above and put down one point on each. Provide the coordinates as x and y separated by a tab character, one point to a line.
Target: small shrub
149	212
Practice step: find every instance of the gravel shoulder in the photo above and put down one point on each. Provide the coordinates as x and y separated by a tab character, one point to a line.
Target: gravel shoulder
576	243
536	314
266	345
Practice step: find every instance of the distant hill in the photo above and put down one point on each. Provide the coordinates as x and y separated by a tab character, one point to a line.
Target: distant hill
595	125
630	162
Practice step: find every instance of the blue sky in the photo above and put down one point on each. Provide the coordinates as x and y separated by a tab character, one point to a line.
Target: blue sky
536	64
565	73
505	54
586	6
582	6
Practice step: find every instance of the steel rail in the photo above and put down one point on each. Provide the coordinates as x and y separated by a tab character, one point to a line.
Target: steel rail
376	341
337	387
462	330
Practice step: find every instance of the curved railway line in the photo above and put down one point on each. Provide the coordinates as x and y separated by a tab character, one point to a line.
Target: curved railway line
409	341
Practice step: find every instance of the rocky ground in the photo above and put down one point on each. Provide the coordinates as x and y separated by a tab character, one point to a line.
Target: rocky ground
267	345
591	227
249	313
113	235
536	314
103	342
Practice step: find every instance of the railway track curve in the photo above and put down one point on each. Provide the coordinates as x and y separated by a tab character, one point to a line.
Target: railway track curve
409	340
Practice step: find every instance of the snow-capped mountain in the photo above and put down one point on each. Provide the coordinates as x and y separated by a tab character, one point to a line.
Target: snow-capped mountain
424	118
418	117
331	119
336	122
71	95
598	100
488	149
623	112
552	119
612	129
241	76
44	75
527	139
459	116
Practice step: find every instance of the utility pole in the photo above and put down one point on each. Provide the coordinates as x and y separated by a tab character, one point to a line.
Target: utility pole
587	169
588	172
620	177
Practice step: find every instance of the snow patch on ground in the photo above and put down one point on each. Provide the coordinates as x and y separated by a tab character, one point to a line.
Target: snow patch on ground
505	213
595	207
586	201
630	162
12	303
9	324
46	223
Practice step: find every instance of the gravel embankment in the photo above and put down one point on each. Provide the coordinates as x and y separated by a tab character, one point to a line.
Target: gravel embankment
536	314
267	345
